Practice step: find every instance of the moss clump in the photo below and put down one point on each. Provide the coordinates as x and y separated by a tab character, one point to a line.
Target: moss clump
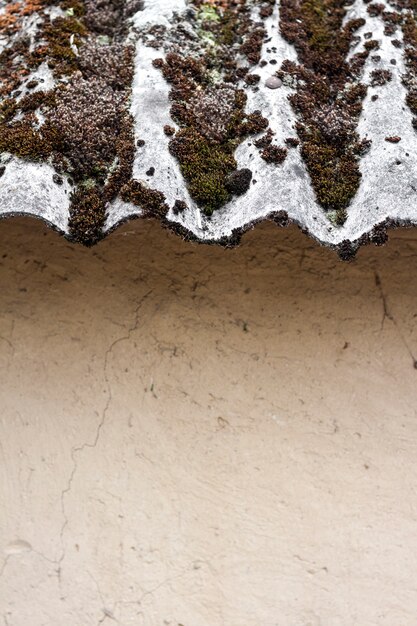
409	27
24	141
380	77
169	130
208	106
212	122
11	73
152	202
8	109
14	12
335	175
43	100
205	165
179	207
329	97
274	154
346	251
292	142
375	8
62	37
87	215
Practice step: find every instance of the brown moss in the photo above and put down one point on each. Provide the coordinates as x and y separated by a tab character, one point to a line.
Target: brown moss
265	140
152	202
375	8
346	251
21	139
252	79
11	17
87	216
373	44
251	47
125	151
380	77
274	154
169	130
292	142
39	100
328	100
60	35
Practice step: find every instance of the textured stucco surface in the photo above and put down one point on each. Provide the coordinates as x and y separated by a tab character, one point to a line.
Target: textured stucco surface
199	436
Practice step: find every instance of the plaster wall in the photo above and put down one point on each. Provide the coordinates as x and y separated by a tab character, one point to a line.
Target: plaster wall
205	437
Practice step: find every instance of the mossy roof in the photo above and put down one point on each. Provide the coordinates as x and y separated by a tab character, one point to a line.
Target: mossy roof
210	116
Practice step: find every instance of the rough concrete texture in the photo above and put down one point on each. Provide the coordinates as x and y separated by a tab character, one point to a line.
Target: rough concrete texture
199	436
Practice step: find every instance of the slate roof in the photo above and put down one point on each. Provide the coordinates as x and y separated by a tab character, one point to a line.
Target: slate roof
210	116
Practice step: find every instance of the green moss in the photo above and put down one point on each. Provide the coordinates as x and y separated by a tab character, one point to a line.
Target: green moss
205	166
336	177
61	35
207	13
207	105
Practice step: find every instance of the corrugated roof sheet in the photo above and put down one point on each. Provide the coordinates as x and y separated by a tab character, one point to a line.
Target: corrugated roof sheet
210	115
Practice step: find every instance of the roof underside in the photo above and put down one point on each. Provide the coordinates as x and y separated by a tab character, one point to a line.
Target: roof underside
210	115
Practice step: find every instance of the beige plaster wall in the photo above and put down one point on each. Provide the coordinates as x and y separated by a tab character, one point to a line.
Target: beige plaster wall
206	437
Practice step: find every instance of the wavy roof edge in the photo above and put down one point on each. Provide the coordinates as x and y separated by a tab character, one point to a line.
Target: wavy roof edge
367	132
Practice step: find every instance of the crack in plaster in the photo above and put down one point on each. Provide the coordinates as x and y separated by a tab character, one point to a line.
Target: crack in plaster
387	314
3	567
37	552
110	613
75	451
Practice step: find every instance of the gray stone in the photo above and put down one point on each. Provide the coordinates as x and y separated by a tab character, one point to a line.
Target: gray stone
273	82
